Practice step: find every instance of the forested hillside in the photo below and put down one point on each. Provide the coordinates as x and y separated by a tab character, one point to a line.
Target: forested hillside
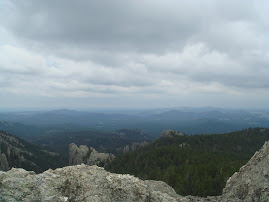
101	141
193	165
15	152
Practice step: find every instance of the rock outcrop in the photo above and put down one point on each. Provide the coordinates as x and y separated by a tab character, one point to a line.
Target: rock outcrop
132	134
88	156
171	133
82	183
251	183
134	146
3	162
92	183
135	139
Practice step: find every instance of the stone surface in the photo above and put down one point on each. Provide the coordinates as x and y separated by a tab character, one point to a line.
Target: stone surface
93	183
88	156
251	183
81	183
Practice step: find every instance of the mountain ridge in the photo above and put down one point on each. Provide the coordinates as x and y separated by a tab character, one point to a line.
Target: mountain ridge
192	165
16	152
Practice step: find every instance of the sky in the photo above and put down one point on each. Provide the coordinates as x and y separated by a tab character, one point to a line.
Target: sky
134	54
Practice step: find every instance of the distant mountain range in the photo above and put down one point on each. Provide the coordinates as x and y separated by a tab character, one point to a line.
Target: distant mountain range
188	120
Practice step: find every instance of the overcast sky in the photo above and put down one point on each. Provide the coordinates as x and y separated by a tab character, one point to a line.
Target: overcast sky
126	53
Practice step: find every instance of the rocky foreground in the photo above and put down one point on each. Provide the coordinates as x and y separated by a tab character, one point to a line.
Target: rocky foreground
92	183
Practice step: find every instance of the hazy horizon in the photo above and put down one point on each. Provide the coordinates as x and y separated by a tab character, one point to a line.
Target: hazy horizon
134	109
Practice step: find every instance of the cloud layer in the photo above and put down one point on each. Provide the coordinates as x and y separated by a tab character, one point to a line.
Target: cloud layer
134	53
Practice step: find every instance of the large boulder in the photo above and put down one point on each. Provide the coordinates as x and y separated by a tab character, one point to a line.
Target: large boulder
251	183
82	183
77	154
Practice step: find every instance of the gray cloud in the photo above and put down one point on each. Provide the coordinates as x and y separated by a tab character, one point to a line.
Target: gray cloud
132	26
153	49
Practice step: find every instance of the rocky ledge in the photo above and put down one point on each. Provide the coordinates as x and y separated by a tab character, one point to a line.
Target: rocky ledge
92	183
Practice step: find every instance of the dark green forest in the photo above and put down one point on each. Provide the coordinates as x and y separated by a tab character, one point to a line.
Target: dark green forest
36	158
193	165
